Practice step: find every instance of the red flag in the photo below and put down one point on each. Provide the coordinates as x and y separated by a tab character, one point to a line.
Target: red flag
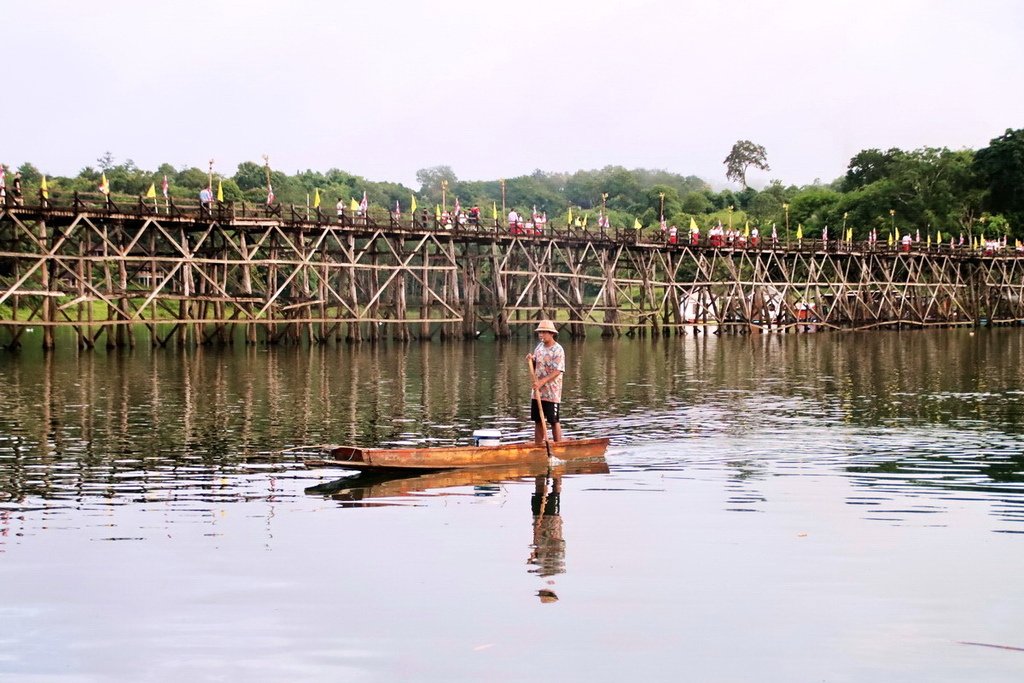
164	185
270	194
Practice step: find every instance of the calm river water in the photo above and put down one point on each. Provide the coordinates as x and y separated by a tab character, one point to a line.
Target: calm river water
815	507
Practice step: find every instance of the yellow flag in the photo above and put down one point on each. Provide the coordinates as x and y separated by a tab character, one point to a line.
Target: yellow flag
746	230
437	211
849	234
316	198
799	231
974	242
568	220
494	210
693	225
412	205
982	240
889	241
220	190
938	236
353	205
897	234
586	216
44	189
636	224
151	192
104	185
929	239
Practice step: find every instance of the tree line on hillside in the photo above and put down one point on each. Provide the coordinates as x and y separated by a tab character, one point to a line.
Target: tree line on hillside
967	191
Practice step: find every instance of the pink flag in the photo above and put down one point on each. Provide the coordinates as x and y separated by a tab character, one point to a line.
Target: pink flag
3	179
165	186
270	194
363	204
398	210
458	207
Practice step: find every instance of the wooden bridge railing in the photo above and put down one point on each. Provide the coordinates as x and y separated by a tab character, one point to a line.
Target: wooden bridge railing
379	218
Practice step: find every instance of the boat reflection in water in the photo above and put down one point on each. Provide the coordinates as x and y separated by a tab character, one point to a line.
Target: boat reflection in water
547	551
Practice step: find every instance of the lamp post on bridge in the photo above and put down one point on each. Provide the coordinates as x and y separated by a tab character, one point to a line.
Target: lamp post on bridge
604	212
785	207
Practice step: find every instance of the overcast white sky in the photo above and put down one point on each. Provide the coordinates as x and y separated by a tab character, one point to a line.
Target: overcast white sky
382	88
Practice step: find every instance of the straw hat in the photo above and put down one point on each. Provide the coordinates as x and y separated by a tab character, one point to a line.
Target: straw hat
546	326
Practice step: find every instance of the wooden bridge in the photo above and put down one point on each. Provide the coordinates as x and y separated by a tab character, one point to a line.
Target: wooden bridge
114	270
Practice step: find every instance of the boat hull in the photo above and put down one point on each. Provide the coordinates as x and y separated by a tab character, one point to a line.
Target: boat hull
453	457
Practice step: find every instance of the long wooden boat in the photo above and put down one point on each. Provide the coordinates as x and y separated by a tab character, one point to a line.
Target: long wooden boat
453	457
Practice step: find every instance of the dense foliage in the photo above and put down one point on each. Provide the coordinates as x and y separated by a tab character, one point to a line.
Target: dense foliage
925	189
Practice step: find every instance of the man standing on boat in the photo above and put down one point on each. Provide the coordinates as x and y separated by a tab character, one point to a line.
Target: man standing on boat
548	366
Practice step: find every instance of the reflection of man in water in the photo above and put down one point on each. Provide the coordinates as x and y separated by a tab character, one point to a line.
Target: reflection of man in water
548	550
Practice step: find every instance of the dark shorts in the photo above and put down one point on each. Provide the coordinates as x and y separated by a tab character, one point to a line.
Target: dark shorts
550	411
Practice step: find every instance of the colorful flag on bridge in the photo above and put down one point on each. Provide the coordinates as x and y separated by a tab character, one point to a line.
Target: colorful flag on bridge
220	190
44	188
104	185
151	192
165	187
412	204
364	205
316	198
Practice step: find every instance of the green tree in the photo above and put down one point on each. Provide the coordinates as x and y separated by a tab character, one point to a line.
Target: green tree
765	207
1000	171
868	166
106	162
29	173
672	203
430	181
696	203
743	155
249	176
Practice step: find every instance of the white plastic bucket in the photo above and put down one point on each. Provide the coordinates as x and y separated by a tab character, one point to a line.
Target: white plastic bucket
487	437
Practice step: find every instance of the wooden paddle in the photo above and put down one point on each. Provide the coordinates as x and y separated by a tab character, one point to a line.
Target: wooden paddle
540	409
